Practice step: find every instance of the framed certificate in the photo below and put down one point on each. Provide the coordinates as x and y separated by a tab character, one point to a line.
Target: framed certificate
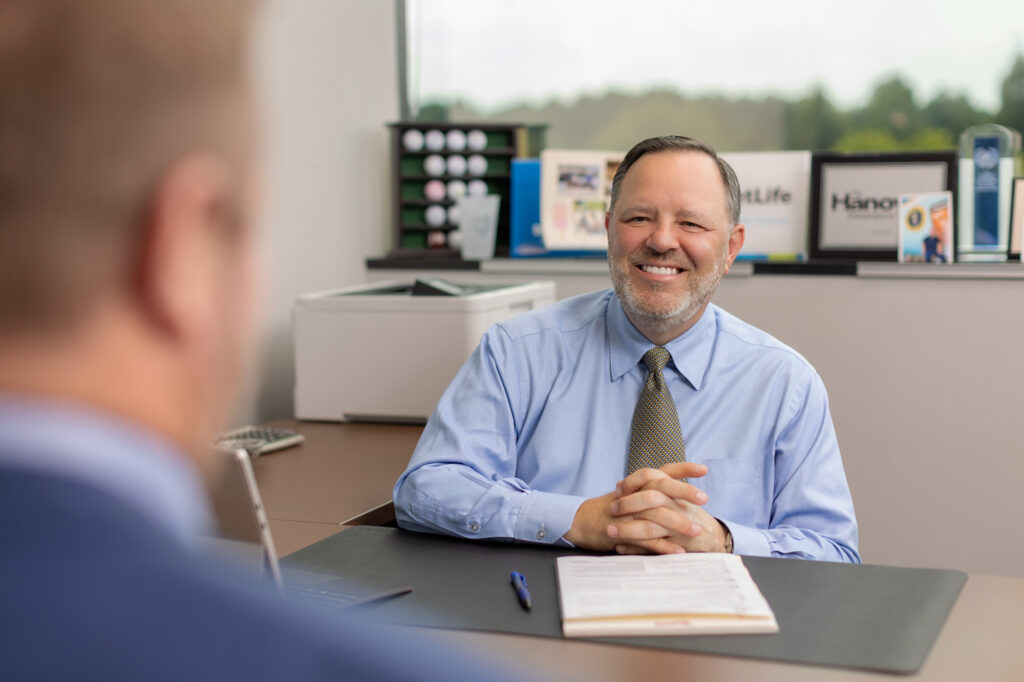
855	199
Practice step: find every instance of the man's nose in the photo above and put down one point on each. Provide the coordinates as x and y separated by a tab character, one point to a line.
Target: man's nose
662	237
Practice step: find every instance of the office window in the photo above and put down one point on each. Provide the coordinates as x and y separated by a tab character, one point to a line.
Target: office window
874	75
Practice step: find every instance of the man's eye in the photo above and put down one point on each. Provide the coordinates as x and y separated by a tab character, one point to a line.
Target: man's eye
636	219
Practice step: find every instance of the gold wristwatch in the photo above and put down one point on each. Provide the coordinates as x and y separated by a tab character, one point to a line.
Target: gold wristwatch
728	537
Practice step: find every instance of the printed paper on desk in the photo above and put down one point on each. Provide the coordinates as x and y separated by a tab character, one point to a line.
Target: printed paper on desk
671	594
574	191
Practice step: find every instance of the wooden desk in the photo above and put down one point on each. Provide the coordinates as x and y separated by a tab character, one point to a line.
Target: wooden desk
291	536
340	471
344	470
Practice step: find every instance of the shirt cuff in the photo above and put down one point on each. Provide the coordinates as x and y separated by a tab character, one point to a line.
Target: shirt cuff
546	517
747	540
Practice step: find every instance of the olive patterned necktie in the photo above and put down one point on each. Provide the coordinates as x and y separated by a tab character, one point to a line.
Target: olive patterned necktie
655	438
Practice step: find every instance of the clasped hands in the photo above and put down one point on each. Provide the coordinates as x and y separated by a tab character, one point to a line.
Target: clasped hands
650	511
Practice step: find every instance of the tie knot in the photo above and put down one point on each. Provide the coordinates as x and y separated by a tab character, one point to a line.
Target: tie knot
656	359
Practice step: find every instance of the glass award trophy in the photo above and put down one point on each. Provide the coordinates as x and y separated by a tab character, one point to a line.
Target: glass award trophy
988	158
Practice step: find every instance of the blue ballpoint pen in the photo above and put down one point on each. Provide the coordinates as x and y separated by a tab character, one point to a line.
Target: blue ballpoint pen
519	585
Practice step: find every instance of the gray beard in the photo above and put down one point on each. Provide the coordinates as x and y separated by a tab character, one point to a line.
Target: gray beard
663	320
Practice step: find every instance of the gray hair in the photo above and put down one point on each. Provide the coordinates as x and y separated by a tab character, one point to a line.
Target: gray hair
678	143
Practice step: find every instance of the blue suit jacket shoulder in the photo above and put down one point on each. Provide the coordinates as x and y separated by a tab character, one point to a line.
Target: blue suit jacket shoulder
89	590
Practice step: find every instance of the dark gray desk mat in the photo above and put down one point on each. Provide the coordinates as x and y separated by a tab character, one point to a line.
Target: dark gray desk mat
868	617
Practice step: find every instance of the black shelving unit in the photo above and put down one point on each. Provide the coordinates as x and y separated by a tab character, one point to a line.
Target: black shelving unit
409	180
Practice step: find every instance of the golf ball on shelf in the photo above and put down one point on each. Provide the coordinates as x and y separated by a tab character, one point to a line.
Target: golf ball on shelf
436	215
456	164
477	140
434	164
412	140
434	140
434	190
477	188
477	165
455	239
453	214
456	140
456	189
436	239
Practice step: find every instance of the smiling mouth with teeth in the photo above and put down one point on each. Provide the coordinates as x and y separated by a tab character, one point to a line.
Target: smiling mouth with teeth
660	269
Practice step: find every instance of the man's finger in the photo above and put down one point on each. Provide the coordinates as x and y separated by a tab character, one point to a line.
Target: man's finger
648	498
684	469
656	546
676	470
678	490
637	529
631	549
675	520
637	480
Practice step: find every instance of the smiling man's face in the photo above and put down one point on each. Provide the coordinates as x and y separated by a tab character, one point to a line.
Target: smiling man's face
670	240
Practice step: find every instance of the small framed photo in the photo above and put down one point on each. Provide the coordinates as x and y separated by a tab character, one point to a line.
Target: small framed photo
575	188
855	200
1016	220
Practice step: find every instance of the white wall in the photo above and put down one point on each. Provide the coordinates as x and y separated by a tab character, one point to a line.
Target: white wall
326	72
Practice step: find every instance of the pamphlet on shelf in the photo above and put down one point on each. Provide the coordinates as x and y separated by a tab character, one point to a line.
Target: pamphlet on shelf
670	594
926	228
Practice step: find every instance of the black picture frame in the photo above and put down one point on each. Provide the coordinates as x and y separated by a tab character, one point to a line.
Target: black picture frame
1016	217
821	160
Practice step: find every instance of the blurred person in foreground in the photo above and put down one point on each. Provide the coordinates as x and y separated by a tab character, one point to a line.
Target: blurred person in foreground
128	283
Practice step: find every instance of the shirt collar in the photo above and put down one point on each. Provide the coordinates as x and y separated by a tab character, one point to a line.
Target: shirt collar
691	351
115	456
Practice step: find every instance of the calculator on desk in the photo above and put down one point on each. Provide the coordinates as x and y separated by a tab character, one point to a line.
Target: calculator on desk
259	440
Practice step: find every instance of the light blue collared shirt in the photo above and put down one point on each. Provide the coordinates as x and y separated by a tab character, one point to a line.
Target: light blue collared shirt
109	454
538	420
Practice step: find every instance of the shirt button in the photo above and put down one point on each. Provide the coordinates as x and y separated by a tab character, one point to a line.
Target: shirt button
474	527
541	535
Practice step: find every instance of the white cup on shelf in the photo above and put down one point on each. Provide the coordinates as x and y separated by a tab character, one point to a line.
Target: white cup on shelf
478	223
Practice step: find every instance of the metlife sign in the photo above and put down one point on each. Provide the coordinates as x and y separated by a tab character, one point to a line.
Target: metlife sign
774	202
859	202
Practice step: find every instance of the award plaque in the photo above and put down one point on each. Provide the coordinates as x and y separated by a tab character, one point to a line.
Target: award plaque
987	161
855	199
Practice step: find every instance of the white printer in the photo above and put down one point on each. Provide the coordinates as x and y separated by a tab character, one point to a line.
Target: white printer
381	353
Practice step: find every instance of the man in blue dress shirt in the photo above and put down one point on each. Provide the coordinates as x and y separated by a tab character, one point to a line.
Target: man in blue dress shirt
530	441
126	278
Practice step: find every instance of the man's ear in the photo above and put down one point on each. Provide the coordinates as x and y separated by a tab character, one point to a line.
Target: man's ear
178	261
736	239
